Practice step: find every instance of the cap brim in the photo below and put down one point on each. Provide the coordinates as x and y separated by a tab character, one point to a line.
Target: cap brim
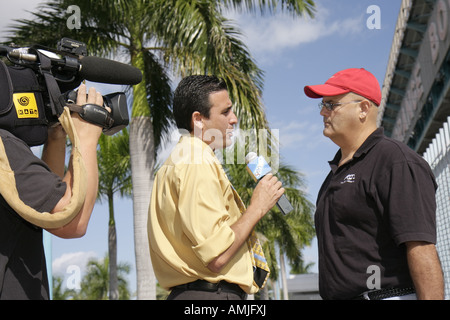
324	90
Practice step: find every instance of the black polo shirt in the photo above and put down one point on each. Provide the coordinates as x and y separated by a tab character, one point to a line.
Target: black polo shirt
23	273
366	210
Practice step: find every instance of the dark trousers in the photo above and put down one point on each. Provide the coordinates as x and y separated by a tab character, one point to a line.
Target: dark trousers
187	294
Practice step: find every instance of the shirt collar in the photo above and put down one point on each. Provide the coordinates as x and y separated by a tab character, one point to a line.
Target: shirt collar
187	138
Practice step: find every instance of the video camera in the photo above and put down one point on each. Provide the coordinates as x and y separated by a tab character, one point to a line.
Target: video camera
41	82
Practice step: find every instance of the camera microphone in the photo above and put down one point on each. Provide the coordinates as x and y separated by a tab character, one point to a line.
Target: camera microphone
47	78
258	167
91	68
108	71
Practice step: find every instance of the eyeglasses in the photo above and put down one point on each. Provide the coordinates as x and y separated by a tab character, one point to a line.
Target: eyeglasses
331	105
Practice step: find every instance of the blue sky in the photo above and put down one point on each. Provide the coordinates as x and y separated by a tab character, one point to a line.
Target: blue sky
293	53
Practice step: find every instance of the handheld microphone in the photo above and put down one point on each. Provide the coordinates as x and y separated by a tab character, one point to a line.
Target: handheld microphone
258	168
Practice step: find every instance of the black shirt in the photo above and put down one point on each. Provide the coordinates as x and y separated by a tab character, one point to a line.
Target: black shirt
23	273
366	209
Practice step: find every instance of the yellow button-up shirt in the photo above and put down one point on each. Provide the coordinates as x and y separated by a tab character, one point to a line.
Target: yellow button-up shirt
191	211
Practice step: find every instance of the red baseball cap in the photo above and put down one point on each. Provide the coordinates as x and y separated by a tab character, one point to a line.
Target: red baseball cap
359	81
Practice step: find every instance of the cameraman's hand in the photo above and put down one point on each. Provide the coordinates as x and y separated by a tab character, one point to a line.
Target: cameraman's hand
87	131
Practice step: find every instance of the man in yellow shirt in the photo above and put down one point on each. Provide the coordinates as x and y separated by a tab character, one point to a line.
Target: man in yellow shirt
198	228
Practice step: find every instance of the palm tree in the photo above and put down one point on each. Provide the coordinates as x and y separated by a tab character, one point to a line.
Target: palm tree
159	37
114	176
94	285
59	293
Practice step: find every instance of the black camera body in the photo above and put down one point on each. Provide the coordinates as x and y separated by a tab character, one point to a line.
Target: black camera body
113	121
37	86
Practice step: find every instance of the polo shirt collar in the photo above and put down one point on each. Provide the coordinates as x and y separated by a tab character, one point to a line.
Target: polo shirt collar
370	142
191	139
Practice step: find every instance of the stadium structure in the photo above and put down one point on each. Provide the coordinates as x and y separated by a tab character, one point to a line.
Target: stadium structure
415	107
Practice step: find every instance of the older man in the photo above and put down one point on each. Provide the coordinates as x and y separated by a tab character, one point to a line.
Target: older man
375	216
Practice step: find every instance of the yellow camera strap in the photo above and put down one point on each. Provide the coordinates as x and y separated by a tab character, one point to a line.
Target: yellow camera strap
47	220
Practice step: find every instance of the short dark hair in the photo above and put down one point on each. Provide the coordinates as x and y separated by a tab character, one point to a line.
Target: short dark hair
192	94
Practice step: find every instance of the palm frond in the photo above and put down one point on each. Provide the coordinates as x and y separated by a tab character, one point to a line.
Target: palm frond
114	165
201	41
295	7
159	96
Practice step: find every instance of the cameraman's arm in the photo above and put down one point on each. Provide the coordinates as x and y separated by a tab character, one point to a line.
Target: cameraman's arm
88	135
54	153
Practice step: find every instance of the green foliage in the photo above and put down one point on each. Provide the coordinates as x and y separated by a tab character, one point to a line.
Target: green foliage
95	283
114	166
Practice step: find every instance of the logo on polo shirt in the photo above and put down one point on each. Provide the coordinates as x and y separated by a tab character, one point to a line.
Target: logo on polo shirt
350	178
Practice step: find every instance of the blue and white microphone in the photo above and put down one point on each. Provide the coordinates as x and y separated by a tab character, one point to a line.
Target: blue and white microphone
258	167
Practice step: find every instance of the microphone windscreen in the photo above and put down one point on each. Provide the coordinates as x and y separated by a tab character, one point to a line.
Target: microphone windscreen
108	71
257	166
250	156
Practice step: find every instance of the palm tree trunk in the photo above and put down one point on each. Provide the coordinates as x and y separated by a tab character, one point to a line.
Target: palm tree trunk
283	276
142	158
142	162
112	248
264	293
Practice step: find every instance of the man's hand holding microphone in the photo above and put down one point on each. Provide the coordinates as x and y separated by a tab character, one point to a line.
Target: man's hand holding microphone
266	194
258	168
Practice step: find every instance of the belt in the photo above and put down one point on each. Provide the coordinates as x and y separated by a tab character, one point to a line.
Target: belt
203	285
385	293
